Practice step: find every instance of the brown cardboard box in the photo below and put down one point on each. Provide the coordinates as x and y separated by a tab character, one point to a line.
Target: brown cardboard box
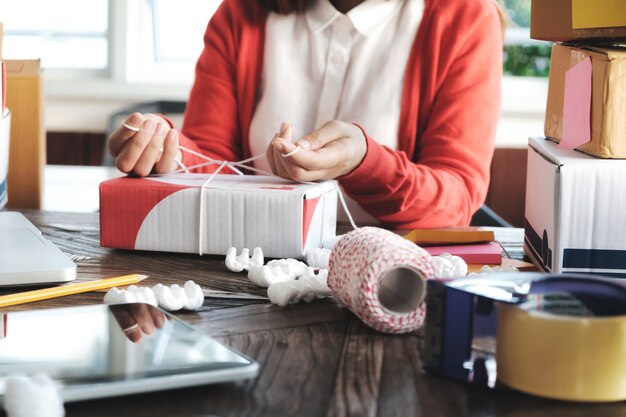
608	97
571	20
27	155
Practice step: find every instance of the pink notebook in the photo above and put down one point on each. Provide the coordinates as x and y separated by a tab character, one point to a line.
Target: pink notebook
480	253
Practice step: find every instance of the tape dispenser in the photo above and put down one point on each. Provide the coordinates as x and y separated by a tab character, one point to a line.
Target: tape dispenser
555	336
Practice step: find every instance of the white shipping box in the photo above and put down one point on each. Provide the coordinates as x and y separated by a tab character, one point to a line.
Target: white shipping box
5	133
575	211
166	213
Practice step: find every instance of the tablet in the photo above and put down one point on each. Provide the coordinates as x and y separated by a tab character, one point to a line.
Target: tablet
26	257
102	351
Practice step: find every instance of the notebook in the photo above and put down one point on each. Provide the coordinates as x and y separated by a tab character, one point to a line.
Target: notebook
26	257
479	253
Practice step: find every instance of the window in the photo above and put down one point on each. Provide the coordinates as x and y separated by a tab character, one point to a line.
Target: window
178	28
166	39
525	85
524	56
127	41
64	33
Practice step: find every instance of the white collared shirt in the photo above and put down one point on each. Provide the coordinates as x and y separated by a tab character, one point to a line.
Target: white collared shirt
323	65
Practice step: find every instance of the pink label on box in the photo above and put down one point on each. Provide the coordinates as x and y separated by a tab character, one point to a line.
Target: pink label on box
577	106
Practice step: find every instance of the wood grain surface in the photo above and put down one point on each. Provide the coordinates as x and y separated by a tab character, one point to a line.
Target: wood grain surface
315	359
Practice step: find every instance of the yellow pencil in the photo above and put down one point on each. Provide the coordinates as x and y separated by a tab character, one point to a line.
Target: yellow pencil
46	293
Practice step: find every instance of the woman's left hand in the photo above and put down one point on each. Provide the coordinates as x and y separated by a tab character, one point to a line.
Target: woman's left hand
333	150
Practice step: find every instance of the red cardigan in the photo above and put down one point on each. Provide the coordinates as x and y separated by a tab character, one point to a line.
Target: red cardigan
450	108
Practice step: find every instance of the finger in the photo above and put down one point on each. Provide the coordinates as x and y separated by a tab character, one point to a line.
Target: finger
134	147
333	156
142	314
167	160
127	322
158	318
152	151
330	131
284	147
273	157
286	132
280	168
269	155
123	133
299	173
307	159
133	333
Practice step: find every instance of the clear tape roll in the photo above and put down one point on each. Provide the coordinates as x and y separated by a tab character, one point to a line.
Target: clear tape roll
380	277
562	357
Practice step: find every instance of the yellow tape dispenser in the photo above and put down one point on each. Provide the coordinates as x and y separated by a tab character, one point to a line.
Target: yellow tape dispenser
555	336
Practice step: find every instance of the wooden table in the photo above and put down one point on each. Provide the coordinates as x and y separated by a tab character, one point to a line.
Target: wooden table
316	359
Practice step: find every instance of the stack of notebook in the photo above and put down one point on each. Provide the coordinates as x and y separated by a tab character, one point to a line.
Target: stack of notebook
473	245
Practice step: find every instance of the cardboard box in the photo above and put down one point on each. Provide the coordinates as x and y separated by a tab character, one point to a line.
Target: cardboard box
608	97
28	145
575	205
5	130
164	213
573	20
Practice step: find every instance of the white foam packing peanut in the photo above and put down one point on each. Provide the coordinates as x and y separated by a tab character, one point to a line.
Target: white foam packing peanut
132	294
486	269
449	266
292	267
288	280
266	275
238	263
306	288
318	258
35	396
321	274
175	297
172	298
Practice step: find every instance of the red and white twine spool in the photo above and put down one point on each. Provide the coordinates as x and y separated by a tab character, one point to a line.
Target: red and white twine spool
380	277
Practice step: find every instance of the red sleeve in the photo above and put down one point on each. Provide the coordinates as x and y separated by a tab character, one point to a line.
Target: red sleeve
211	122
448	182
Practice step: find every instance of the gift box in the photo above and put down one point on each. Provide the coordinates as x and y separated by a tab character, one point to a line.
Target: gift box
572	20
574	220
586	98
185	213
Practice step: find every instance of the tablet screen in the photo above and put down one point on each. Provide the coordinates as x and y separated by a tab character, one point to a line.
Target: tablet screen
100	350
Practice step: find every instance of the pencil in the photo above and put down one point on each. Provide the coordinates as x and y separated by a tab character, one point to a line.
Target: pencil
46	293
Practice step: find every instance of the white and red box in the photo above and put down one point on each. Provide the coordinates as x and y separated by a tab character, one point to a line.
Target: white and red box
175	213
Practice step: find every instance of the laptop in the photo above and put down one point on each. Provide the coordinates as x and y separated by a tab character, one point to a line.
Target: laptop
26	257
101	351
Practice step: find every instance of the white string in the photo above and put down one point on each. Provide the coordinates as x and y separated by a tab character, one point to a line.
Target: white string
292	153
201	222
129	127
181	166
233	165
345	208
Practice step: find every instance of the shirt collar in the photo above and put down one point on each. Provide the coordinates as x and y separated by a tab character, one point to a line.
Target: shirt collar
365	17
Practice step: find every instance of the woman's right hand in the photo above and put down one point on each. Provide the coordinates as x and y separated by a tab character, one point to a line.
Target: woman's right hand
154	148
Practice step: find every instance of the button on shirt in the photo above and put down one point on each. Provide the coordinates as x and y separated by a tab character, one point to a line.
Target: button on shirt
324	65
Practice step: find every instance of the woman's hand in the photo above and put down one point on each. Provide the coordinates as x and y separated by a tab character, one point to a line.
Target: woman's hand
136	319
154	146
335	149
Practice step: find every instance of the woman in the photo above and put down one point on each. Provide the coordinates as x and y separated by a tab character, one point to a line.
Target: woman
400	100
